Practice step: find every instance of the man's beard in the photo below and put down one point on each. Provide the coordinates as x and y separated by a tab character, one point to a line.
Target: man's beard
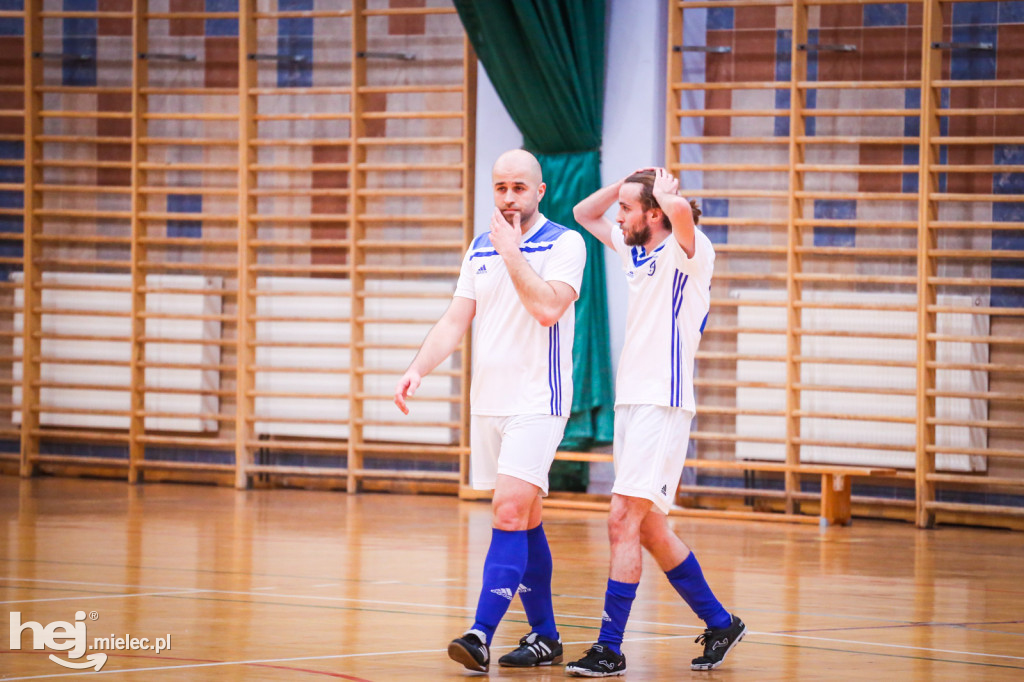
524	217
638	237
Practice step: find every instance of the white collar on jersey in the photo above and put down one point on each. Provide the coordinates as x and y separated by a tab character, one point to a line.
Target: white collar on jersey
541	221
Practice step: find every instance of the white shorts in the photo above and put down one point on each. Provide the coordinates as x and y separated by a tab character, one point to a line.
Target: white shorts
521	446
649	452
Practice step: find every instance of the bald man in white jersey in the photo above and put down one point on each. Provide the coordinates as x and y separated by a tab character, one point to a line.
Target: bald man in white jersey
668	263
520	281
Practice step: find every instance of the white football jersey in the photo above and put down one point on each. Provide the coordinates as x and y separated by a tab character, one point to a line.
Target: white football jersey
519	365
669	298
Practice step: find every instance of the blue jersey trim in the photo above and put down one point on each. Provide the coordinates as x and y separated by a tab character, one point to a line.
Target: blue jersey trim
679	281
541	240
555	369
640	255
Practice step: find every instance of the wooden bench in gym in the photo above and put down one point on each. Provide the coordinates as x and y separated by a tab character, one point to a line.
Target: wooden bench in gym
835	484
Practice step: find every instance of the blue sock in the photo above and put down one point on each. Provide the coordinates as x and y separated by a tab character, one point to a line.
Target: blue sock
618	600
503	571
689	582
535	592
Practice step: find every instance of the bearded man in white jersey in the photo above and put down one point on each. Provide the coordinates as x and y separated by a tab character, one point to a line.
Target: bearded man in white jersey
668	263
520	282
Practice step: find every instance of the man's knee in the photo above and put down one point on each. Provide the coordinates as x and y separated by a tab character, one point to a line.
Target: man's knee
512	503
653	531
623	520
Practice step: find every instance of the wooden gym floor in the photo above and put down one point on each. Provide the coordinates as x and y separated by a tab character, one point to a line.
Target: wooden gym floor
295	585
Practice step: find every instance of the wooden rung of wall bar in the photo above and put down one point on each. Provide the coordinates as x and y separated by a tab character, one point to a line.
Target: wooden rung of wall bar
305	219
704	4
303	14
860	196
731	167
303	142
979	423
860	113
188	242
187	142
298	244
71	214
730	113
440	244
938	196
301	269
729	140
853	251
335	116
163	216
75	263
852	222
80	139
986	452
410	192
976	480
854	362
416	115
156	190
188	441
844	305
105	115
79	239
190	15
211	416
734	85
855	85
993	254
860	279
869	390
303	92
299	192
976	281
180	166
408	168
849	168
154	266
294	420
977	168
889	419
196	116
981	339
751	248
409	141
72	434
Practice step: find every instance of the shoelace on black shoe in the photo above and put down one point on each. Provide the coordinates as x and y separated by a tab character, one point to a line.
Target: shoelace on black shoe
702	638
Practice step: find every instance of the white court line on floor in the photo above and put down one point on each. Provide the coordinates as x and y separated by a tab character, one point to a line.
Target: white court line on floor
565	616
95	597
92	584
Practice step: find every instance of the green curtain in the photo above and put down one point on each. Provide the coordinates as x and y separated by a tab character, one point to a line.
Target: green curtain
546	61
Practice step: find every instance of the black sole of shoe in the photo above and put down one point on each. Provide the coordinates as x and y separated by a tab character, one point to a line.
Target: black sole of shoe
458	653
587	673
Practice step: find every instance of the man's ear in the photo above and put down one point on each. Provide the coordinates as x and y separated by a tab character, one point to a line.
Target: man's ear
655	216
541	188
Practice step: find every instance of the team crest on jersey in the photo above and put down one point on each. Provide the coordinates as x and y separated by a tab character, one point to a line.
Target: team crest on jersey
650	270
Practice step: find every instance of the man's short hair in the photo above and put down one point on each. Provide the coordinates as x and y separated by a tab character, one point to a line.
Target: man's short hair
645	179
